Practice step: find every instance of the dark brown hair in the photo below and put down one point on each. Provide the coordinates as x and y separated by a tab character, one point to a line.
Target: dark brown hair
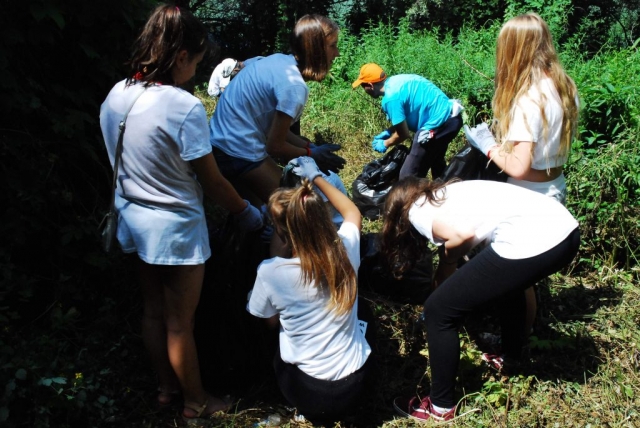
401	245
302	219
168	31
308	45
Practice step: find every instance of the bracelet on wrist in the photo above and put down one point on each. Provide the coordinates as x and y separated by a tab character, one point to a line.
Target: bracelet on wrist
308	150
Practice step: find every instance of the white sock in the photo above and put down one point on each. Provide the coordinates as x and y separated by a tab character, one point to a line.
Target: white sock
441	410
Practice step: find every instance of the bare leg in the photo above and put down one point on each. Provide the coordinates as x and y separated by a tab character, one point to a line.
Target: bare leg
154	333
531	308
264	179
177	359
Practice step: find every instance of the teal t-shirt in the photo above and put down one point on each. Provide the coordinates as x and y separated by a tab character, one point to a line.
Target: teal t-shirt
415	99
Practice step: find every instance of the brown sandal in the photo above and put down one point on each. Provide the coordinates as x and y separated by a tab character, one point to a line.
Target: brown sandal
200	409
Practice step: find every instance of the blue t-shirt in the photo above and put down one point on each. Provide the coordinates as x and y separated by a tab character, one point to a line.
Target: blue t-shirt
415	99
245	110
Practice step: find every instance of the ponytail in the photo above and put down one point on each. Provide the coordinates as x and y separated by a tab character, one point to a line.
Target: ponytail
303	220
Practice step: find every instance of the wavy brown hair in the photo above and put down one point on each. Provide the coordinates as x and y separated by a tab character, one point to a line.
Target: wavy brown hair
524	56
168	31
302	219
308	45
401	245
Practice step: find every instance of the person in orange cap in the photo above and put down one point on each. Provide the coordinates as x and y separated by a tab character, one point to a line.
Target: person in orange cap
413	104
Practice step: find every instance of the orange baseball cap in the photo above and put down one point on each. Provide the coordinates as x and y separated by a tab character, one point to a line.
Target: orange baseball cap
370	73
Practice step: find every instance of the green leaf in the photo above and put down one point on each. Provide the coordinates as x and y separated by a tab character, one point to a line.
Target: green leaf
59	380
37	11
21	374
57	17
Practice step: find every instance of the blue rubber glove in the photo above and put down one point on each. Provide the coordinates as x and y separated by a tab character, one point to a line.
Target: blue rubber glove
384	135
480	137
249	219
306	167
378	145
326	159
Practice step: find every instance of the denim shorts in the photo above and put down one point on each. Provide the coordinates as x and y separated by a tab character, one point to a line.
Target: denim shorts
232	167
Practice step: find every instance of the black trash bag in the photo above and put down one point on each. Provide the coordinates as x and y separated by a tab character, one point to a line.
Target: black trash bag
471	164
415	285
369	190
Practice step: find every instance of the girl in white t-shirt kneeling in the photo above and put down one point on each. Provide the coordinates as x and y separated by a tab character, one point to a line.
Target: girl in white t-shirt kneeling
321	365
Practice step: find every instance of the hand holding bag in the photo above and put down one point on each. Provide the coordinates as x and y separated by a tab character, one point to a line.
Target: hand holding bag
109	225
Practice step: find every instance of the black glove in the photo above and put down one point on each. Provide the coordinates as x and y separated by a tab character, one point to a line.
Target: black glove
326	159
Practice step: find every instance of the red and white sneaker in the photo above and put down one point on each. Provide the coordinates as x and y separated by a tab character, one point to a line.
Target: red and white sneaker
421	409
494	361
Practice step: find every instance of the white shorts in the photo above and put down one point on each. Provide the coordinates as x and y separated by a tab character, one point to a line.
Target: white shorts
163	237
556	189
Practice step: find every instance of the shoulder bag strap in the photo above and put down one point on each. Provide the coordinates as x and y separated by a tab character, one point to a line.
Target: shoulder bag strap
118	153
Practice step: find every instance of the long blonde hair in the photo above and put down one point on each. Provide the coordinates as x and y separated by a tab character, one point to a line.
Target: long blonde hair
524	56
302	219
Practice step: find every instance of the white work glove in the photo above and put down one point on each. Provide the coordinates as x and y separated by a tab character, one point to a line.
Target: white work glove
249	219
306	167
480	137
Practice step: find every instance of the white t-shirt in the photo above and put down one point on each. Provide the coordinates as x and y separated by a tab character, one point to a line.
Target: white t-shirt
517	222
218	81
322	344
526	124
166	128
243	116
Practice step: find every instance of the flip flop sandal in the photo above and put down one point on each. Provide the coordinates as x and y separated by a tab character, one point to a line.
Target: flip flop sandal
200	409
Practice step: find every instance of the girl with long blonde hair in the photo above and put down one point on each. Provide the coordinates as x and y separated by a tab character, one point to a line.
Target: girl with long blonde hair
535	108
312	292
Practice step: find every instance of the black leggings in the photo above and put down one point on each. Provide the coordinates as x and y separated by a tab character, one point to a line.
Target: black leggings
486	278
325	401
317	399
430	155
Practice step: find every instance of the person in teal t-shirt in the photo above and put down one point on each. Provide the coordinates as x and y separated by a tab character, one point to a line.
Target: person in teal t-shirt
413	104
